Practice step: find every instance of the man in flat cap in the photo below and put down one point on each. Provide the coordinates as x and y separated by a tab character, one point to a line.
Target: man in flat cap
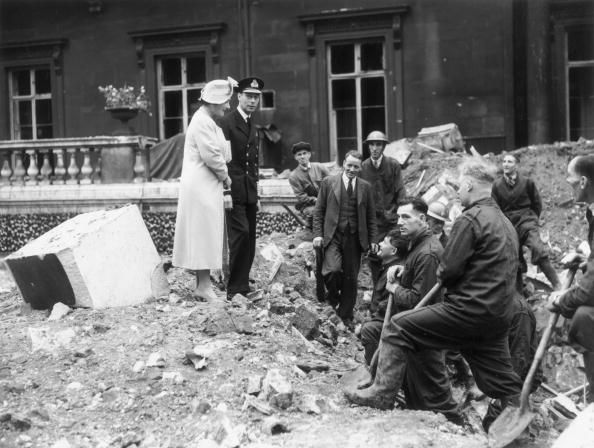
305	180
243	171
385	176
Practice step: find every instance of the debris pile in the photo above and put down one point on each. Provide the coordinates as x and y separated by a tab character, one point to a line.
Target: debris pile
261	370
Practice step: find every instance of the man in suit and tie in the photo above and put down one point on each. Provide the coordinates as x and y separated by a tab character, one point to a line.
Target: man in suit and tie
243	171
345	226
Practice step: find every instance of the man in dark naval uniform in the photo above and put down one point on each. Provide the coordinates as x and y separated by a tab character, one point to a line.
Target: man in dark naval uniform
243	171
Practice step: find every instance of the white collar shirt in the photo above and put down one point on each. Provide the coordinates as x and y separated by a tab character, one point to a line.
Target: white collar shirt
243	114
378	162
345	181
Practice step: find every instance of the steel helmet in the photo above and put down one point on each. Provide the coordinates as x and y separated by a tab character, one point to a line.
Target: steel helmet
438	211
376	136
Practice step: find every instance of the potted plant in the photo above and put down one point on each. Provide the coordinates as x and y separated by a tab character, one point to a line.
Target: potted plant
123	103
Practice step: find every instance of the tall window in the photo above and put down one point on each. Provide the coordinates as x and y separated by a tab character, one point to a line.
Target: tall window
580	81
181	79
30	94
357	93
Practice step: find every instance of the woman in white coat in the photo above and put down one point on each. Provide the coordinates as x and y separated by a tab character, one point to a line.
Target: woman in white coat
199	227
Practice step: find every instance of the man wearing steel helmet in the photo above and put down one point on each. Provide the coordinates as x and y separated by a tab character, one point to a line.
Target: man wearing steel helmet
385	176
243	171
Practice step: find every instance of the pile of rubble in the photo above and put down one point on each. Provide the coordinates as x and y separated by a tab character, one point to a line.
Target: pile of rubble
258	371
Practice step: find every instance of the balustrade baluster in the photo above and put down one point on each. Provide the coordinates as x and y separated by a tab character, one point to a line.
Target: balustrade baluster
97	173
32	169
18	174
139	176
46	170
86	169
5	172
59	170
72	169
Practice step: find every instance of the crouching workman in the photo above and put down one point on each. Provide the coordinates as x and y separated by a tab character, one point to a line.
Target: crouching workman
577	303
305	180
518	198
426	383
478	271
344	226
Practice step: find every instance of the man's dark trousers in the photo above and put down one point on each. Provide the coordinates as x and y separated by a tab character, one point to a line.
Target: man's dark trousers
241	229
483	345
426	384
342	260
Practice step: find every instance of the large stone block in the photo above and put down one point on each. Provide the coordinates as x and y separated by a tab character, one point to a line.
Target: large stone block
99	259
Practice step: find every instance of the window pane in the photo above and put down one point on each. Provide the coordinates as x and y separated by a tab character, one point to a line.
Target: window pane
43	111
342	58
196	70
343	93
267	101
373	119
345	145
24	112
22	82
580	44
372	56
172	127
26	133
173	104
581	102
372	92
346	123
171	72
44	131
193	104
43	82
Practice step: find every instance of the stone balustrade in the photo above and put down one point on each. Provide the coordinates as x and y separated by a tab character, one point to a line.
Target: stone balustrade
75	161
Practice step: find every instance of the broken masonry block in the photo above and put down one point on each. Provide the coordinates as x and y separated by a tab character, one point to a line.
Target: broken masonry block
277	389
99	259
307	321
580	432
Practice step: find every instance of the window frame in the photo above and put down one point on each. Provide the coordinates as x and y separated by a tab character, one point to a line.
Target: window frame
359	25
160	43
30	55
32	98
357	75
183	87
565	17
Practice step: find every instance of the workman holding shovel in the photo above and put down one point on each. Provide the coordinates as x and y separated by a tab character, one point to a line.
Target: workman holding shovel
426	383
577	303
478	270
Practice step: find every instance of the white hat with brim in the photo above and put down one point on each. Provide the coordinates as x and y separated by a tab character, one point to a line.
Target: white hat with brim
218	91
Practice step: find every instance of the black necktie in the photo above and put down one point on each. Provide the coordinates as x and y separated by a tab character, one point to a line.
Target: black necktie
249	122
350	188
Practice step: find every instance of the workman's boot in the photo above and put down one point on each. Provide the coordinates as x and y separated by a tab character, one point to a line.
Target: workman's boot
589	368
549	271
496	407
388	379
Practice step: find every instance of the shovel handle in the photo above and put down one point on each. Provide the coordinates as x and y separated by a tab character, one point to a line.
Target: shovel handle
540	351
429	296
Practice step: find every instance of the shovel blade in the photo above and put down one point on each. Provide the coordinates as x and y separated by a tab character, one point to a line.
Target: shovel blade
351	379
508	426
